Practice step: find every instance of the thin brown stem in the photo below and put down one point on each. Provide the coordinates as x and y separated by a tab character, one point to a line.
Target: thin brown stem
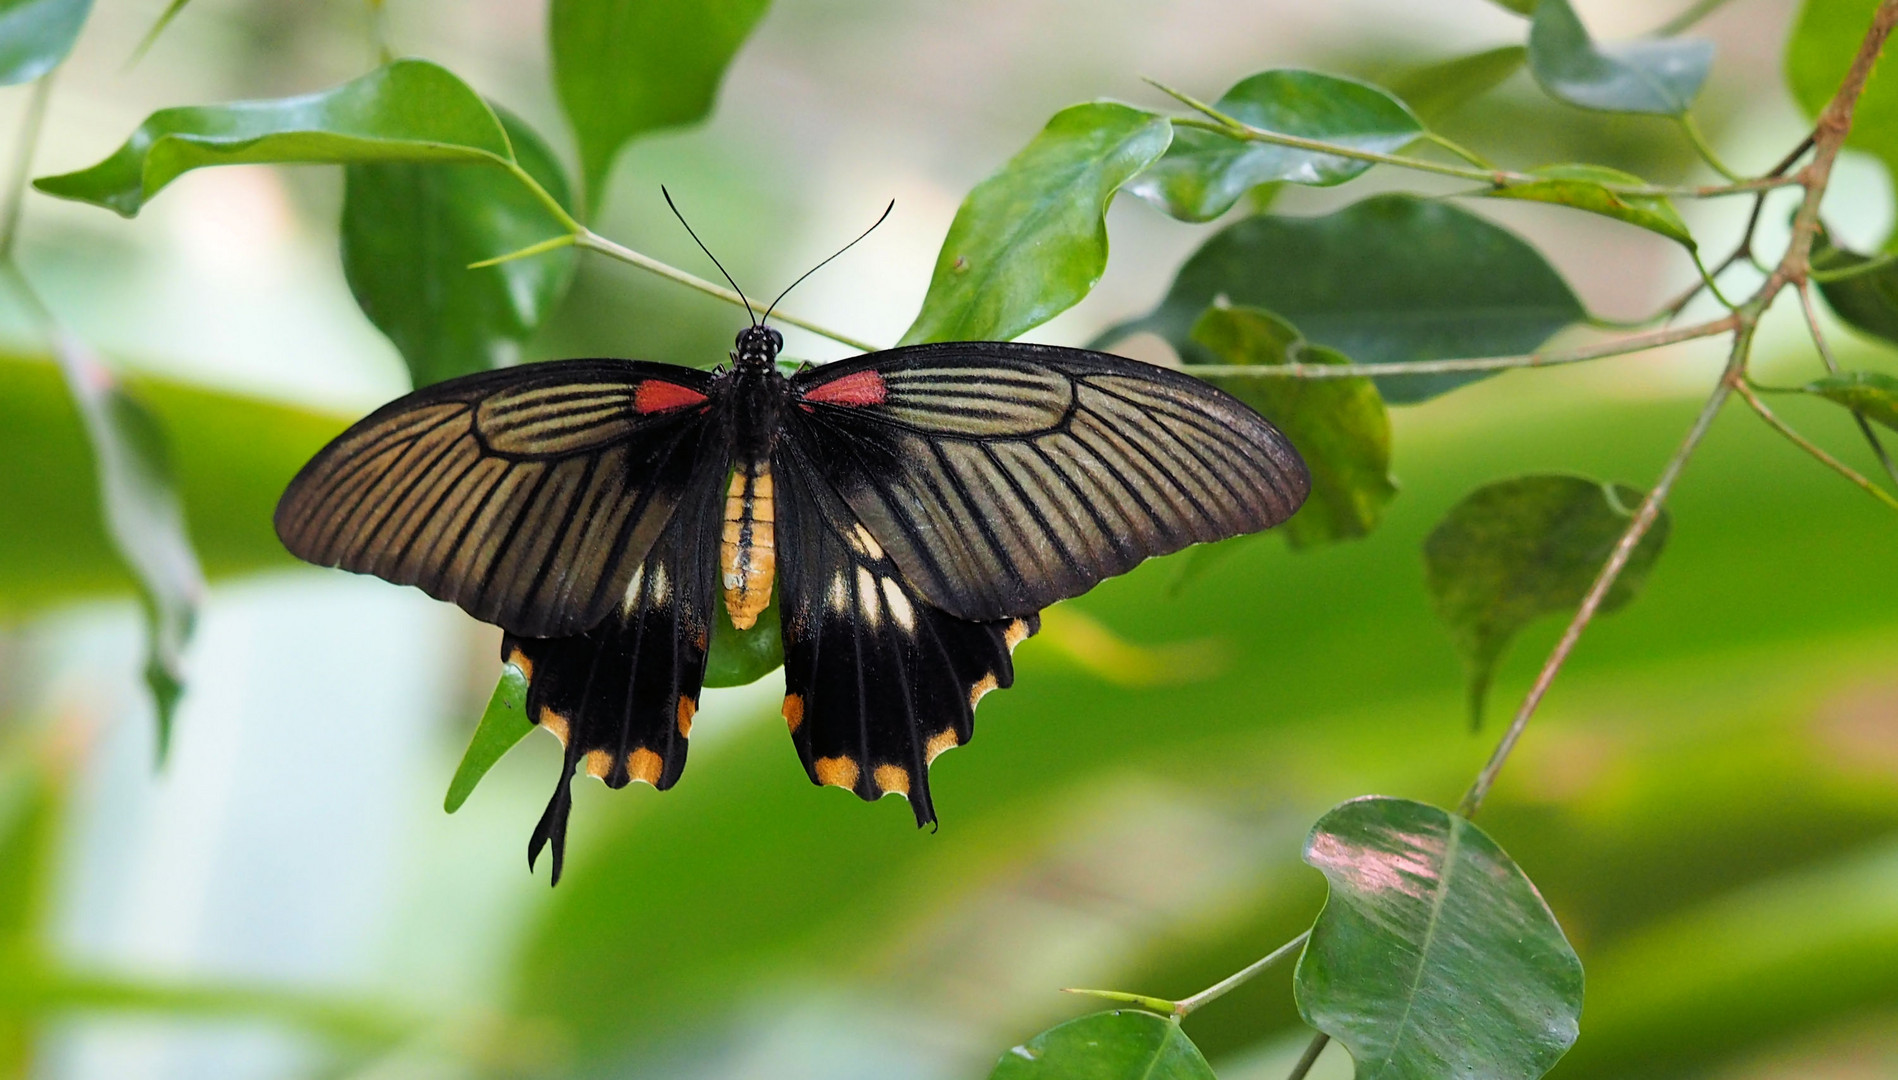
1813	448
1644	519
1832	365
1545	358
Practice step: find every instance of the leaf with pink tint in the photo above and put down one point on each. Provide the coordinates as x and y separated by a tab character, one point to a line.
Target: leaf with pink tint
1434	956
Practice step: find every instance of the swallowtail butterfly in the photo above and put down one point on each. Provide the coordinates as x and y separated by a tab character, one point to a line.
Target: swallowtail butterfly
913	510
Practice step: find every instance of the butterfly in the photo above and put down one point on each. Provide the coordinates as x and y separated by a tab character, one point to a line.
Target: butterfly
913	510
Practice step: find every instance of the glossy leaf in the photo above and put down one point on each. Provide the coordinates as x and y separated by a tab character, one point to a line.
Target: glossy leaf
137	489
1338	425
409	110
1518	549
626	67
35	35
503	723
1031	240
1659	76
1434	956
1392	278
1438	89
1123	1045
1866	301
738	657
1871	394
1581	186
409	233
1824	39
1204	173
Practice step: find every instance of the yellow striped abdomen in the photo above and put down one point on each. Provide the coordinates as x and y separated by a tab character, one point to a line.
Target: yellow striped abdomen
747	551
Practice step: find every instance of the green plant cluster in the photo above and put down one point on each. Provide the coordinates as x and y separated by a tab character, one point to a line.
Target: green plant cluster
1433	954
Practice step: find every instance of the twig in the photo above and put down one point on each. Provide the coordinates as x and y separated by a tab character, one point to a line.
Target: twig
1239	978
1546	358
1233	127
1814	449
1827	139
1309	1057
23	164
593	241
1832	365
1610	572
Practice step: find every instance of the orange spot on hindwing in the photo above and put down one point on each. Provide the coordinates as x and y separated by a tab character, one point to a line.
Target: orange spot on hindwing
836	772
793	712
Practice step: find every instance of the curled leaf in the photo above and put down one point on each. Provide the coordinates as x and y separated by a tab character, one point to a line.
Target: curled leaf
503	723
1584	188
1518	549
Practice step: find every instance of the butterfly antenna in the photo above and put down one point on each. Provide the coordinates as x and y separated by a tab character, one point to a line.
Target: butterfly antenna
714	258
821	265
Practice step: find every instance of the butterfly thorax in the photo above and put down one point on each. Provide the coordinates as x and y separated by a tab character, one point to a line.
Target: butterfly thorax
748	541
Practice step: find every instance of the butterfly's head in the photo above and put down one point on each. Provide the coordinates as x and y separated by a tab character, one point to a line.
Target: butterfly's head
757	348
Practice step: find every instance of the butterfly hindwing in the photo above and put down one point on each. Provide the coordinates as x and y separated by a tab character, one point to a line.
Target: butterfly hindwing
878	681
1002	477
526	495
621	697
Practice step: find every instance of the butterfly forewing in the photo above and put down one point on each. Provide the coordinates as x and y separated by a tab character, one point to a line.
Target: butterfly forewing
527	496
1003	477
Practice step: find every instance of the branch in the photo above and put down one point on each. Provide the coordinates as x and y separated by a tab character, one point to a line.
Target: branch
593	241
1309	1057
1644	519
1546	358
1812	448
1232	127
1832	365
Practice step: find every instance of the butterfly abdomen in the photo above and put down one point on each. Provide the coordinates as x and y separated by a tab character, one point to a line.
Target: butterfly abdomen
747	553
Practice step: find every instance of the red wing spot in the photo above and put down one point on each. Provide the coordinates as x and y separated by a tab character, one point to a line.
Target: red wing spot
856	389
657	395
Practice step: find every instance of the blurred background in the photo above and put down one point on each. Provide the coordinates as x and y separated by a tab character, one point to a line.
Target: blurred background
1709	798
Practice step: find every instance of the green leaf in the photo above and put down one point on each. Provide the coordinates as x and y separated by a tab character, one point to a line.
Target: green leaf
1393	278
1204	173
1659	76
35	35
738	657
1122	1045
1824	40
409	110
31	797
410	231
1518	549
1866	301
138	492
1434	955
1338	425
1581	186
1438	89
1871	394
626	67
503	723
233	457
1031	240
1520	7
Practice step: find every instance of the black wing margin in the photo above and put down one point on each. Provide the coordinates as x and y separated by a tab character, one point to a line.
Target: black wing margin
878	681
1002	477
527	496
